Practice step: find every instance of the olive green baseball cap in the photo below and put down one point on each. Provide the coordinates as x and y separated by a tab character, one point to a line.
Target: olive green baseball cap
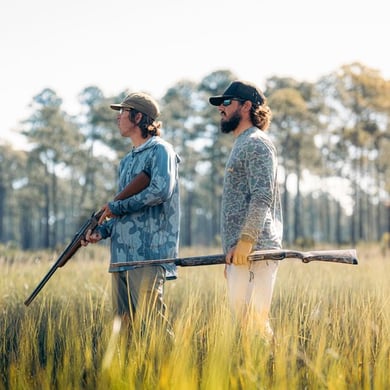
141	102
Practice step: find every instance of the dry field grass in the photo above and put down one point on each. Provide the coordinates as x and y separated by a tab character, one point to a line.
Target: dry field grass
331	323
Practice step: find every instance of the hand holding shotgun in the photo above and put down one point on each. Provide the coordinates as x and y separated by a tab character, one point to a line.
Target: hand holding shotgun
86	232
140	182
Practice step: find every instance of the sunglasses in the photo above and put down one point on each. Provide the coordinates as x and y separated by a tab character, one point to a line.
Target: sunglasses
228	102
122	110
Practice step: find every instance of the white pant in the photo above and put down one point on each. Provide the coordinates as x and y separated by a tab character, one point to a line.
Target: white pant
250	289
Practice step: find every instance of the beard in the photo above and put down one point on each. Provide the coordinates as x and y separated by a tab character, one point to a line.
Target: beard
231	124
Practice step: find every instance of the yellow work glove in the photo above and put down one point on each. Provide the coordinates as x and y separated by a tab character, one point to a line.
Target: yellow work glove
241	252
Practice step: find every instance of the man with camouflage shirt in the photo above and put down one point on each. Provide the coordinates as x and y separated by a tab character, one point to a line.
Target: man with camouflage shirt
251	207
144	226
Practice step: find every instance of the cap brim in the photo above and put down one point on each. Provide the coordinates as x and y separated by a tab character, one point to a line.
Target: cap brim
217	100
116	107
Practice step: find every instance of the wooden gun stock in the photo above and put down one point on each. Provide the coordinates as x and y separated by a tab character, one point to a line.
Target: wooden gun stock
346	256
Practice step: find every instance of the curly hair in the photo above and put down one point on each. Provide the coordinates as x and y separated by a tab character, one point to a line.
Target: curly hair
148	125
261	116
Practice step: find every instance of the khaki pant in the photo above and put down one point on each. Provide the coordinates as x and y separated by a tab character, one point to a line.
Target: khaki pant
250	290
139	290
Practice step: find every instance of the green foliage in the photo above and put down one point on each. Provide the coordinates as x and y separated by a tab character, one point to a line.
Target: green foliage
333	128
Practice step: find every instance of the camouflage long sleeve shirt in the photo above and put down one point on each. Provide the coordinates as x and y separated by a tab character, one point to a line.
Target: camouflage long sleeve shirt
251	203
147	224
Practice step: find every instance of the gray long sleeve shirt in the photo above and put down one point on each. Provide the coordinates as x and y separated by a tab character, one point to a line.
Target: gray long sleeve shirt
251	203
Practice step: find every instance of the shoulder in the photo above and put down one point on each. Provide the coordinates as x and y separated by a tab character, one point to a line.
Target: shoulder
162	147
159	143
262	140
255	145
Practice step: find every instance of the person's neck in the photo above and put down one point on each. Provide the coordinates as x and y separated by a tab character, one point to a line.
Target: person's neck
138	140
242	126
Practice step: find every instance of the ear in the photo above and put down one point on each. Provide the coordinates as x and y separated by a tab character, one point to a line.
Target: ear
247	105
138	117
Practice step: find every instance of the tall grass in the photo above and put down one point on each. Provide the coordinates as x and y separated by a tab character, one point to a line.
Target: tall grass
331	324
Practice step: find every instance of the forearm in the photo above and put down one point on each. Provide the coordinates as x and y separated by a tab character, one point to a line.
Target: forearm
163	177
255	221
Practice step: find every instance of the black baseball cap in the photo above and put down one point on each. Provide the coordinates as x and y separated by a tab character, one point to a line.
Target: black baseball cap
240	90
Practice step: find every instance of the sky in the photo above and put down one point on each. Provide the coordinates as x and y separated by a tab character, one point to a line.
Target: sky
150	45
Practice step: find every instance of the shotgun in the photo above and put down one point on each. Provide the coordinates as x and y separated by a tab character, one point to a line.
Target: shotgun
139	183
345	256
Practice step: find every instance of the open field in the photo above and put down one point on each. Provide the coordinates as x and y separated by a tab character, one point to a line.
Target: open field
331	322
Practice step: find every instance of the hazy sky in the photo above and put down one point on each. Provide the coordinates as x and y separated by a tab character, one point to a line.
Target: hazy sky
151	44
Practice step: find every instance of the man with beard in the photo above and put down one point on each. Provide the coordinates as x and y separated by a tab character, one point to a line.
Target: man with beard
251	208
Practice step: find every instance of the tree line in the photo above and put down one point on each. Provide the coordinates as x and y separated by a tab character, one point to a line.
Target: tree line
333	132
